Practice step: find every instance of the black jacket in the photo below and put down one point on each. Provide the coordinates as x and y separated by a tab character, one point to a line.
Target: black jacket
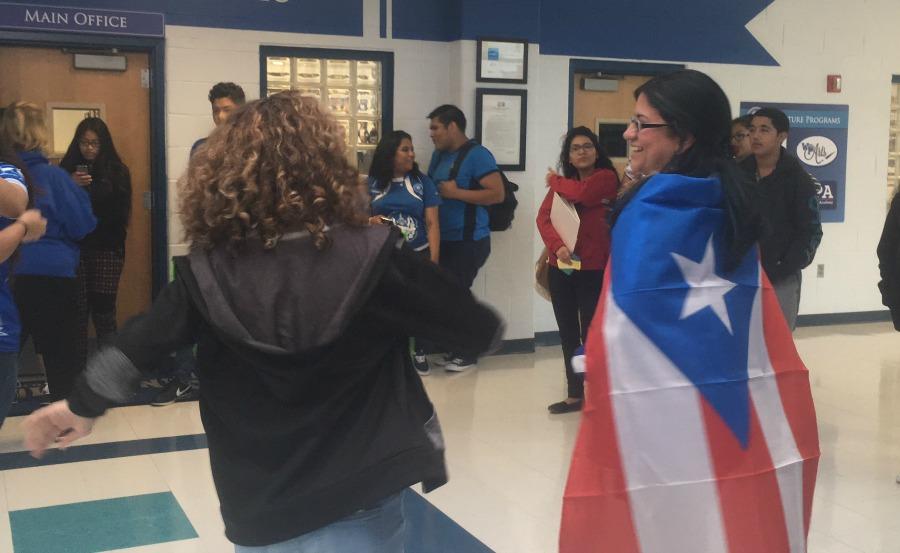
111	202
310	403
790	213
889	261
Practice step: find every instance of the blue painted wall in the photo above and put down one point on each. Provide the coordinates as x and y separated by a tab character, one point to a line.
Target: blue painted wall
439	20
501	18
688	30
331	17
666	30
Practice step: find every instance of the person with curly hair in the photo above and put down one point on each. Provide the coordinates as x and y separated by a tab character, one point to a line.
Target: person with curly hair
315	418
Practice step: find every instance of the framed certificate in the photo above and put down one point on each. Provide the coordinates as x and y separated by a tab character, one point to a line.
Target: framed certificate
502	61
500	125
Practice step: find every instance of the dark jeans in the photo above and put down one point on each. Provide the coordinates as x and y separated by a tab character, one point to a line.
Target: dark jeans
788	292
574	299
464	258
48	307
9	363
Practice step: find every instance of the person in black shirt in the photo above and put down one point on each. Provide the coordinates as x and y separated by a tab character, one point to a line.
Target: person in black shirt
889	261
95	165
789	207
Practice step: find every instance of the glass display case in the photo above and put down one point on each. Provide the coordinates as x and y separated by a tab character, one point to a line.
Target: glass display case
351	89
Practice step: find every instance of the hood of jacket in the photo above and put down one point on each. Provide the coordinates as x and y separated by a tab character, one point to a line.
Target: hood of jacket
292	298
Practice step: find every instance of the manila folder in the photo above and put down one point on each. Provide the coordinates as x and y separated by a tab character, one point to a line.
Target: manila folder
564	218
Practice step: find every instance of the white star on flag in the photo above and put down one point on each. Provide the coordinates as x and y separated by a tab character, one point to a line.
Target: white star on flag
707	288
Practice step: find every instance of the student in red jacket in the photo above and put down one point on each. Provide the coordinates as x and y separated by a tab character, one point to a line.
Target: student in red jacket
589	181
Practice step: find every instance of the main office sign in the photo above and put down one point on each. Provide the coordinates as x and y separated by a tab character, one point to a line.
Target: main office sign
33	17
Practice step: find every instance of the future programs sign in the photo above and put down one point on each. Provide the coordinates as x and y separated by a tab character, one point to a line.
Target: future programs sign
818	137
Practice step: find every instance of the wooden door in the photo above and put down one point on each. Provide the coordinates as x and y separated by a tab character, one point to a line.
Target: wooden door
593	108
47	76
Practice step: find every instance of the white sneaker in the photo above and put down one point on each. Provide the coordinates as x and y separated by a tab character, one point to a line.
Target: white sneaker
458	365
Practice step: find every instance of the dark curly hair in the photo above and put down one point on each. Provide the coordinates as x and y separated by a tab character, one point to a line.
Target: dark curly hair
277	165
227	90
603	162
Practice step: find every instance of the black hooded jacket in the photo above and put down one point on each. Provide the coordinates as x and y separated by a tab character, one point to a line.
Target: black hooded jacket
310	403
889	261
790	212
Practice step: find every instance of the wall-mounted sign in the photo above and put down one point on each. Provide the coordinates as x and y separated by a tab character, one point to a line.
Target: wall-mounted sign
818	137
33	17
502	61
500	125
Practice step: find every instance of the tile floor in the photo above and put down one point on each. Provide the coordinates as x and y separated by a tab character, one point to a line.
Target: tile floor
509	458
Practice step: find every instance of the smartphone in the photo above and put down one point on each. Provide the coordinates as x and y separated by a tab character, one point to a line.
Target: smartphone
83	168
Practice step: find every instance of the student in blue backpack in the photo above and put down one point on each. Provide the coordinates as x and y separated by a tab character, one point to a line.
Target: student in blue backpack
406	198
469	181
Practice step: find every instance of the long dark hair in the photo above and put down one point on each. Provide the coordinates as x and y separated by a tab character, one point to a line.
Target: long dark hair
568	170
382	168
695	106
107	164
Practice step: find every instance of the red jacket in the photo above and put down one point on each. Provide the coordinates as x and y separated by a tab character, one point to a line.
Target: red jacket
592	198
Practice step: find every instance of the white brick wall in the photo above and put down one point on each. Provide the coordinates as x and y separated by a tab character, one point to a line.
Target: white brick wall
810	38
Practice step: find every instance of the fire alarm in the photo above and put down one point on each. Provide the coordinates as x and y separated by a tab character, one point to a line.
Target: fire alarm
834	83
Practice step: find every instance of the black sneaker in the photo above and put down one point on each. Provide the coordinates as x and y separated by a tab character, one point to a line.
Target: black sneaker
420	362
458	364
175	391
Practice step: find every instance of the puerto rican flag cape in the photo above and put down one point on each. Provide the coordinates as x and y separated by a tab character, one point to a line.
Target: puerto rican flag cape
698	433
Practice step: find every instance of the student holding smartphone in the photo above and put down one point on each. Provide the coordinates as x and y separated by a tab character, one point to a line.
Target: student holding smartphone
95	165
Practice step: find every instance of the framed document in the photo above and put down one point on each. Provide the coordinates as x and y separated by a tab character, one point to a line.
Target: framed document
500	125
502	61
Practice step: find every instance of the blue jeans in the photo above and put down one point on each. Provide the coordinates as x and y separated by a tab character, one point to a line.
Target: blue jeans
380	529
9	362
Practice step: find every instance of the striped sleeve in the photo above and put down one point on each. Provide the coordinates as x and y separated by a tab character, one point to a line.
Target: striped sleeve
11	173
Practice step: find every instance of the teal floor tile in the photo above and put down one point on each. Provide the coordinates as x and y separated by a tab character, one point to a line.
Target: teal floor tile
95	526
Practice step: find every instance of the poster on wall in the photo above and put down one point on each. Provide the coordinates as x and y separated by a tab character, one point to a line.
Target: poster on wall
818	137
500	125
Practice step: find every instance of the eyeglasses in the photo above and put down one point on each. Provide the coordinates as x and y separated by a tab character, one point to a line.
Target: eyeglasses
586	147
738	136
95	144
640	125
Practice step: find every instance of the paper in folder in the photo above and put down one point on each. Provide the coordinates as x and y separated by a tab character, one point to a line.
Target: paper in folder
564	218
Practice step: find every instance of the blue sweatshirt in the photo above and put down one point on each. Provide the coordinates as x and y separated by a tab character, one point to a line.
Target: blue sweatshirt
67	209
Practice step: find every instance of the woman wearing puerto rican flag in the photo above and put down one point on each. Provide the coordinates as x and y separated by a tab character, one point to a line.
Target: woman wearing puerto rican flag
698	428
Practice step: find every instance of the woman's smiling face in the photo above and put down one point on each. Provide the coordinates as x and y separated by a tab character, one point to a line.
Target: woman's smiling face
651	149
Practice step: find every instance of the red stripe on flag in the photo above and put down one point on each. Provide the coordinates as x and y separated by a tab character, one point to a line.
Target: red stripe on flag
796	396
749	495
596	516
810	468
791	375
